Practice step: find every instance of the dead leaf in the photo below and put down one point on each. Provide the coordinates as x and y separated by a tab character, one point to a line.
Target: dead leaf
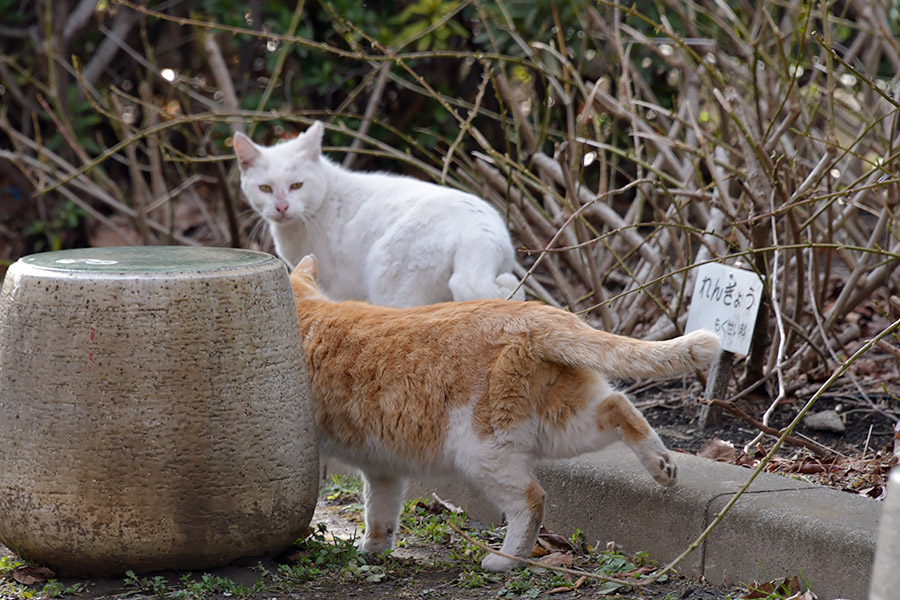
807	595
447	505
761	452
745	460
31	574
718	450
561	589
432	508
553	542
876	491
639	571
558	559
788	585
568	588
810	467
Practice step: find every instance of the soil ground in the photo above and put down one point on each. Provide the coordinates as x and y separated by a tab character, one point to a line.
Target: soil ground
861	456
421	568
432	561
673	413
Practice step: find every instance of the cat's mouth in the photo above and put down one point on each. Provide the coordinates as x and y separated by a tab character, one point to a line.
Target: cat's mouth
278	217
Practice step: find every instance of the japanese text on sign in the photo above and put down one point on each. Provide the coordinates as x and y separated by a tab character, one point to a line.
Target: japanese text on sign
726	300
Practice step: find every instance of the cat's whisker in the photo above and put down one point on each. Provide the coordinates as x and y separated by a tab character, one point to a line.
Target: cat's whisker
257	233
258	225
263	235
310	222
252	224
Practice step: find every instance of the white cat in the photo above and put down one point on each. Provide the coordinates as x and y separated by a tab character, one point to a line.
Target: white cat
387	239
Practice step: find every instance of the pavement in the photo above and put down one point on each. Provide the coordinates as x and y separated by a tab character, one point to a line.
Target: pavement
780	527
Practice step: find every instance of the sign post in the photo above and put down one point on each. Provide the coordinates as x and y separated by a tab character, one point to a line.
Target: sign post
725	301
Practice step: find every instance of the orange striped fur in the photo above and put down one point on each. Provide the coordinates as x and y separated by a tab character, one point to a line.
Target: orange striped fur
479	389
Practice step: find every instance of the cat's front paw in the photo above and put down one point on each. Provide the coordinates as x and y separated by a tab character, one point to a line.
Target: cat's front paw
494	562
666	472
374	545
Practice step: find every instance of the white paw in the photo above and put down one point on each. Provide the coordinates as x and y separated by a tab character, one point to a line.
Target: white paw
374	545
493	562
665	472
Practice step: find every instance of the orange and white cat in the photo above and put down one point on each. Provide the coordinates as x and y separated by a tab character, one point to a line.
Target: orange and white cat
481	389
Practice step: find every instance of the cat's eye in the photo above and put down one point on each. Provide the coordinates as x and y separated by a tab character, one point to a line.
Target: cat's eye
296	186
265	188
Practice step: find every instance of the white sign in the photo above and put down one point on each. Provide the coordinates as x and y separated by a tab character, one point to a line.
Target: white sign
726	300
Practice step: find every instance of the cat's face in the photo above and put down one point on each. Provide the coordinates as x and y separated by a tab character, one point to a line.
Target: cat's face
284	182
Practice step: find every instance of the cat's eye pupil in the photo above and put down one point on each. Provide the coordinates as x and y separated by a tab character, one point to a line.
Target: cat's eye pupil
265	188
297	185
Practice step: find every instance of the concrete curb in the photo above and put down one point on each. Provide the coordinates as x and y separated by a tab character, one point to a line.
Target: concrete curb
780	527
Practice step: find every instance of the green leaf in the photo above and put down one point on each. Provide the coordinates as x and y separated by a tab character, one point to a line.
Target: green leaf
608	587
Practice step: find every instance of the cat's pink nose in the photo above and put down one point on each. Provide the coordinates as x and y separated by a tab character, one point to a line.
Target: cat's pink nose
281	207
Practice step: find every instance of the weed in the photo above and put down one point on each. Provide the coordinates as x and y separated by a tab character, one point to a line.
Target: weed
466	552
779	589
157	585
189	587
642	558
359	569
302	571
9	589
342	489
579	542
317	555
55	589
476	578
522	584
423	523
427	522
7	564
209	585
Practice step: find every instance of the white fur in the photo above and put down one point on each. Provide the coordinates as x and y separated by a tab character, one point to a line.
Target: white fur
581	434
500	464
382	495
388	239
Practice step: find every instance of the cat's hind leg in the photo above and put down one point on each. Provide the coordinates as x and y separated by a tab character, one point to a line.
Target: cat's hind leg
615	412
521	498
383	497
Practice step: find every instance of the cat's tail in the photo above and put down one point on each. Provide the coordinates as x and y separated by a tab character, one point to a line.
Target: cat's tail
628	358
470	284
507	283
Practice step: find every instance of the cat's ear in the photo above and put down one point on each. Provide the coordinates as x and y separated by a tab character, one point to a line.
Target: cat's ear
246	150
308	266
312	140
303	279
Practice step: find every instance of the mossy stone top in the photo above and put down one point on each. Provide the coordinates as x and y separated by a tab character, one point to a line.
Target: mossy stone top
131	261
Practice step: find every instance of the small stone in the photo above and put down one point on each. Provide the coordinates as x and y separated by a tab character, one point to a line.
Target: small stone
826	420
